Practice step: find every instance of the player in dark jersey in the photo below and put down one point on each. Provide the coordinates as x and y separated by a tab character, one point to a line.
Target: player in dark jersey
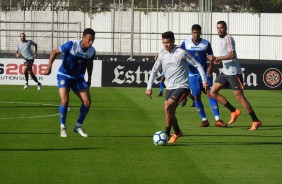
78	57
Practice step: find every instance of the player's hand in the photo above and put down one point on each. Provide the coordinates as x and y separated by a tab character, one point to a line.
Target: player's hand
210	57
35	55
17	55
205	86
47	71
217	61
149	93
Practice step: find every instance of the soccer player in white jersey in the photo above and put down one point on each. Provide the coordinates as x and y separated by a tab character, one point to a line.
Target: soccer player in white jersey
24	49
231	75
174	62
78	57
199	49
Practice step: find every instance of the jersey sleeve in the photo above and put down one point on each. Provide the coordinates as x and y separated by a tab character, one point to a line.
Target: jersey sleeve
230	43
32	43
182	46
153	74
66	47
209	49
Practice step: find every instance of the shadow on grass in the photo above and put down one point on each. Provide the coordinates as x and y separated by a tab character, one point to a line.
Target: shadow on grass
27	133
225	143
47	149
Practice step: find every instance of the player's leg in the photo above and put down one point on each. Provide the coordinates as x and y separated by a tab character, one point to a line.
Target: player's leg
195	85
239	94
173	98
221	81
64	88
64	96
31	73
81	90
214	105
26	74
161	85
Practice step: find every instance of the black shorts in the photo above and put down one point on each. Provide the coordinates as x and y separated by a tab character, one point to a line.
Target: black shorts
233	81
28	63
177	95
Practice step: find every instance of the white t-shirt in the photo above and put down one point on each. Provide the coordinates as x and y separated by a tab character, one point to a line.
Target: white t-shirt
175	65
25	49
230	67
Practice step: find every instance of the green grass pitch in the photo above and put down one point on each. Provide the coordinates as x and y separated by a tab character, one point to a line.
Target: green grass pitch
119	149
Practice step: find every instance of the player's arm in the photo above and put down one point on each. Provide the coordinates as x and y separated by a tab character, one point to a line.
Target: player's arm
52	57
231	53
89	71
152	77
66	47
210	53
18	53
35	49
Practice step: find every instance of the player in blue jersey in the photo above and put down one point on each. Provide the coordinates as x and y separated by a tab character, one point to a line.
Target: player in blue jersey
200	48
78	57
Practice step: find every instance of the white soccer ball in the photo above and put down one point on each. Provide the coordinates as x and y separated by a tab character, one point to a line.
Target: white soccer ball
160	138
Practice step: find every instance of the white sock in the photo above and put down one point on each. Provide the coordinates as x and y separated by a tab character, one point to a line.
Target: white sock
78	125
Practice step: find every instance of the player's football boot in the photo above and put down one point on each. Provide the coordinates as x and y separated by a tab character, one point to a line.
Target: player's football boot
255	125
220	123
39	86
234	115
25	86
174	137
64	132
205	123
80	131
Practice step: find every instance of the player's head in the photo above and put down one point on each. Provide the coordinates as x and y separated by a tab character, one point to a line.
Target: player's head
221	28
22	37
168	40
196	31
88	38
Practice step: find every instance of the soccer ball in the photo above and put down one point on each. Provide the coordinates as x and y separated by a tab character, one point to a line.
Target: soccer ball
160	138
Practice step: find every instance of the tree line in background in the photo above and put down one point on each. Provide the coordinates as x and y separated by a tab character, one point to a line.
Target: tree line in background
99	6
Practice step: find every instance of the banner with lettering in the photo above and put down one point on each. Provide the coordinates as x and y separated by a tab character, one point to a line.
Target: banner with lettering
136	74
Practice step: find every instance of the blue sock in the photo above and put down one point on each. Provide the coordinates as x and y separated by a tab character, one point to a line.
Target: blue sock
83	112
161	86
63	114
200	107
214	107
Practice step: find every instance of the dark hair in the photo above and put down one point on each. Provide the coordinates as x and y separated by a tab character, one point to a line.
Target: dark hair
168	35
222	23
196	27
88	31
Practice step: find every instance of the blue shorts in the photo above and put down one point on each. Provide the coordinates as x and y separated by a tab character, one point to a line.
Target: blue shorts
75	84
196	84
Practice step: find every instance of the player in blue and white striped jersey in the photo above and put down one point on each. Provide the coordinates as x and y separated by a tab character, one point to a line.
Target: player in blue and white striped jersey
78	57
199	49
